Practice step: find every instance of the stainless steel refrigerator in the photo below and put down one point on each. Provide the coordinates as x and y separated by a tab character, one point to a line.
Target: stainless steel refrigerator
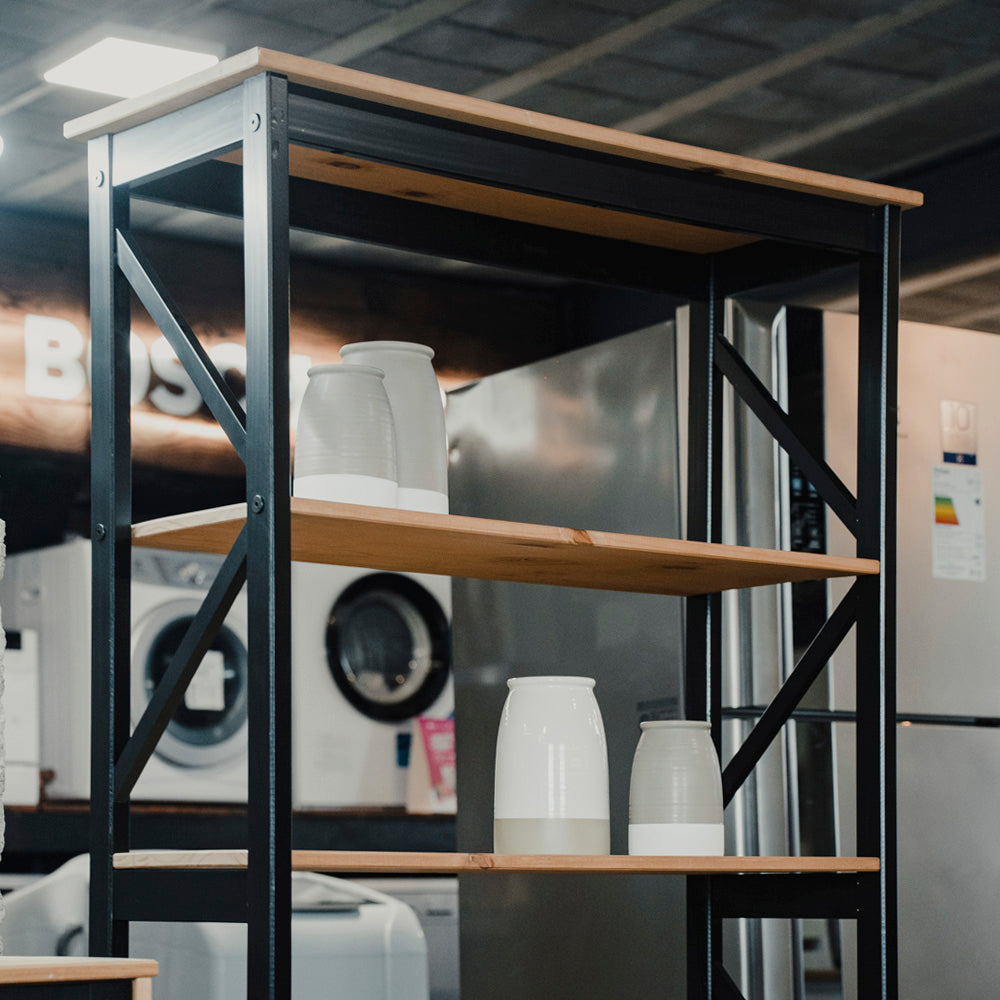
588	439
948	670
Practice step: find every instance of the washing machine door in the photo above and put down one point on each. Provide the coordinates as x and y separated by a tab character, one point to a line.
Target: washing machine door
388	646
209	726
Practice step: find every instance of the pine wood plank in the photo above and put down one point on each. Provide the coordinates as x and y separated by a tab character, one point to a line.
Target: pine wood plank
457	107
447	192
382	862
47	969
409	541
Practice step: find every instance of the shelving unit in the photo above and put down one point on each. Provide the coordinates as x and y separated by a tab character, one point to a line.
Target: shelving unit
284	141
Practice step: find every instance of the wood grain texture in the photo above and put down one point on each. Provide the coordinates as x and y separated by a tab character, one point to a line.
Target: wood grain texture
384	862
471	110
408	541
46	969
504	203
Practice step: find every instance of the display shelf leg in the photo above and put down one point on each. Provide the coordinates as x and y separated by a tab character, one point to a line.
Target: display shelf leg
111	527
265	220
878	298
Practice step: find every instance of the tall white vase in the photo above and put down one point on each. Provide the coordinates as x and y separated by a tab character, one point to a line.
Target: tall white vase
675	795
551	783
418	412
345	441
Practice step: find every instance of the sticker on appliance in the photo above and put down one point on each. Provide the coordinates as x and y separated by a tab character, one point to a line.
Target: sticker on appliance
959	541
958	432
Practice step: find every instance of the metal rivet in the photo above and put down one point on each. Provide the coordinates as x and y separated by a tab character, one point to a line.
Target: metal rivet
254	123
99	178
101	532
257	503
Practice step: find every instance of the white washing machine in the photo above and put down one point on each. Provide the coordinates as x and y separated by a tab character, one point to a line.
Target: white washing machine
371	652
202	754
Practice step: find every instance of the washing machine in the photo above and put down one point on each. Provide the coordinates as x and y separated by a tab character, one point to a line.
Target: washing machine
202	755
371	653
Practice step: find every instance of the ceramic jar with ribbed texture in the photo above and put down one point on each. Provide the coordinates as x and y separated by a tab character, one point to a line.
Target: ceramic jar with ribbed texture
675	794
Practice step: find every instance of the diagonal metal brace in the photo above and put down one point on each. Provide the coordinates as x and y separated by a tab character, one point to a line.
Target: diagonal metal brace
723	985
170	690
791	693
217	395
753	392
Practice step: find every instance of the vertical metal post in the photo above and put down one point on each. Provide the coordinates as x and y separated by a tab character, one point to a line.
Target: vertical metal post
876	627
110	532
703	671
265	220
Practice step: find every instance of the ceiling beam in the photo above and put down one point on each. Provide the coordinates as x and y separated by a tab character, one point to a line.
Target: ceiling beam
791	144
968	318
386	31
602	45
787	62
54	181
940	277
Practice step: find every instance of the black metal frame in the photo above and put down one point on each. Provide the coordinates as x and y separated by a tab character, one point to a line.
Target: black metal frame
173	158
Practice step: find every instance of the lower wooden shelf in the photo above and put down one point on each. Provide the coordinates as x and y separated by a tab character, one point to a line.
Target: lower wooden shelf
439	863
72	978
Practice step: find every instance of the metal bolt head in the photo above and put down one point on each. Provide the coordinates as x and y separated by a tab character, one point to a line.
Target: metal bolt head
254	123
257	503
101	532
99	178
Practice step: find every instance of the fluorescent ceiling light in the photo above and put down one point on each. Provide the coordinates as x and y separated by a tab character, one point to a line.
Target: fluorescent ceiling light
1	145
126	68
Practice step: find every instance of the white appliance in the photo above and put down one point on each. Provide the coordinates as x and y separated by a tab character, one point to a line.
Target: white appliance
947	696
202	754
349	942
21	718
434	899
371	652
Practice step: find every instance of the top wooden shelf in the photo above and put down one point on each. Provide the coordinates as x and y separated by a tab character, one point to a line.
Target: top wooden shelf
408	541
469	110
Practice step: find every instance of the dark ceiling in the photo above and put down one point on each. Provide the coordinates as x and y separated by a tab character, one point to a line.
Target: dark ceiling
876	89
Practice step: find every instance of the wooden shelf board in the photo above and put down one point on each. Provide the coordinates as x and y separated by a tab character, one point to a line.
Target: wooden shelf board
408	541
383	862
505	203
475	111
46	969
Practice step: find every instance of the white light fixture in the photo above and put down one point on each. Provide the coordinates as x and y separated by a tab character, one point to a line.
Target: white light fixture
1	145
127	68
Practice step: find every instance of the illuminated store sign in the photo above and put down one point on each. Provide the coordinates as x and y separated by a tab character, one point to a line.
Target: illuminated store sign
57	366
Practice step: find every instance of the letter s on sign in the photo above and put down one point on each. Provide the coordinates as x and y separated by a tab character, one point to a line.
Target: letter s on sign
186	399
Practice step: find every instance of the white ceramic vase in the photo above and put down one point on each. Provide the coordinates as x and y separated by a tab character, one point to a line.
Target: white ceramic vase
345	442
551	781
418	412
675	794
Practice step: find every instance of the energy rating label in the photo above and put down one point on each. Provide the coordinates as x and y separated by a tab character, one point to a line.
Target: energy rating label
959	540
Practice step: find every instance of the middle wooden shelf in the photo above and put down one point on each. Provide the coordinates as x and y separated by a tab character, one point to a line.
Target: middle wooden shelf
430	862
451	545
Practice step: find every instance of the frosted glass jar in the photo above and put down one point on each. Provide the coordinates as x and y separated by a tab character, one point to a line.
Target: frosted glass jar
418	413
345	440
675	794
551	781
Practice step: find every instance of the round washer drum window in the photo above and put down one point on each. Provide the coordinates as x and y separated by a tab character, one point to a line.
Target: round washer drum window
387	645
202	731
